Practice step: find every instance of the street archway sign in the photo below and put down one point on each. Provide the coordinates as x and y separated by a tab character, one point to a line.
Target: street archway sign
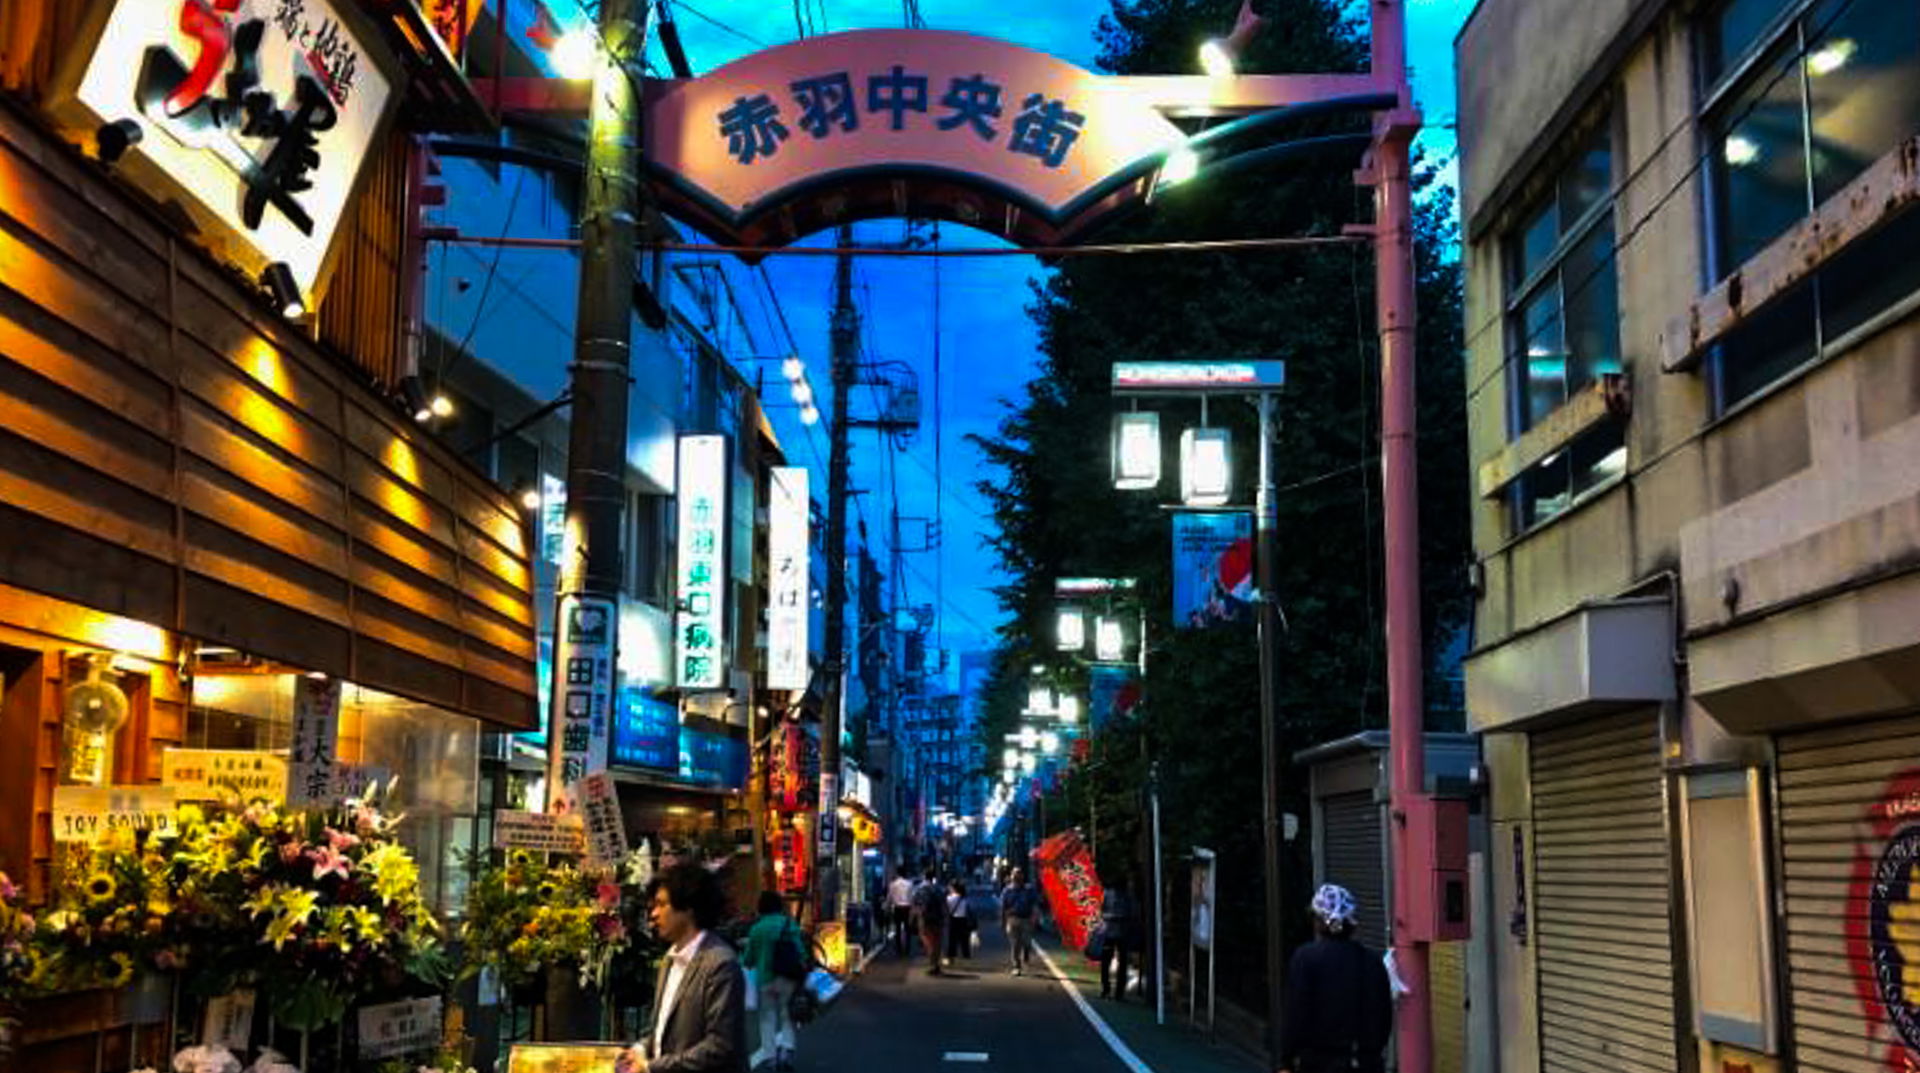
898	121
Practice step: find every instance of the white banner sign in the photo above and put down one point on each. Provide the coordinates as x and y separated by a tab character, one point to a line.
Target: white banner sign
788	514
230	1021
88	814
606	829
313	776
1205	889
540	832
397	1028
700	626
216	774
582	696
260	112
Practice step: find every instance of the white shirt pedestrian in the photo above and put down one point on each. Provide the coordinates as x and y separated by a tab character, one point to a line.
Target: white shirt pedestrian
679	958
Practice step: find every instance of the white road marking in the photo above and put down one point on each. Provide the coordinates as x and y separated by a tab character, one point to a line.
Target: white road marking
1114	1042
965	1056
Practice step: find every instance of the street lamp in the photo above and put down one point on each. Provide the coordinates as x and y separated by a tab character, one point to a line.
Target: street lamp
1050	743
1206	467
1109	640
1136	450
1070	629
1069	709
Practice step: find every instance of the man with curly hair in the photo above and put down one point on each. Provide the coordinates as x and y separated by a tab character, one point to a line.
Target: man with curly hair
699	1009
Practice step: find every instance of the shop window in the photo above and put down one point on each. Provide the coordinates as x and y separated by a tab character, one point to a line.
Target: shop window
1801	98
1564	316
1728	904
647	554
1564	478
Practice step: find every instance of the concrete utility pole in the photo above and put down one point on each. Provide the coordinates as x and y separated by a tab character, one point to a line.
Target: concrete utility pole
845	337
597	443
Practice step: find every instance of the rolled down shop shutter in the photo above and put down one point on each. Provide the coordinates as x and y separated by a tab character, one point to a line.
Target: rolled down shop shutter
1601	886
1355	854
1849	842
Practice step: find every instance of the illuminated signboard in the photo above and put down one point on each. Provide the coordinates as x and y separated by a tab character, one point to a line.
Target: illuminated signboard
256	115
788	547
646	732
700	626
1156	377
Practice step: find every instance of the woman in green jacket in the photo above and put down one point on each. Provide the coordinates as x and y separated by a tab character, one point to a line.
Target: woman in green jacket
775	992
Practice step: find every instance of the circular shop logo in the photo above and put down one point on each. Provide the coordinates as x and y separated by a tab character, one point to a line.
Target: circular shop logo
1894	932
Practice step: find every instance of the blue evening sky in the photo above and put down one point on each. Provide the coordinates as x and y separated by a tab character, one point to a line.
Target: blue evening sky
987	344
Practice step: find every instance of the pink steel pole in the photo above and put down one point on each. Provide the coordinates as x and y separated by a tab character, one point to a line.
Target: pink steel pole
1399	458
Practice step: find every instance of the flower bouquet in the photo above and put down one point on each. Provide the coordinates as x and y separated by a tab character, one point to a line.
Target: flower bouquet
526	915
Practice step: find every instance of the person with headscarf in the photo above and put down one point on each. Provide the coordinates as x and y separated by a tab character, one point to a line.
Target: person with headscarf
1339	1004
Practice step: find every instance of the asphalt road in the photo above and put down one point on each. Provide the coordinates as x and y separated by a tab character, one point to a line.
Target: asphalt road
898	1017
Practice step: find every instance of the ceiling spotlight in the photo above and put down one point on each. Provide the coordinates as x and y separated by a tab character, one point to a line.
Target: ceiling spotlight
441	405
113	139
278	279
530	499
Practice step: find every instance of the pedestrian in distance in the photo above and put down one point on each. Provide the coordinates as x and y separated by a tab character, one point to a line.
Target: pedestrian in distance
930	904
959	923
1117	925
1019	905
900	902
1339	1004
776	963
699	1022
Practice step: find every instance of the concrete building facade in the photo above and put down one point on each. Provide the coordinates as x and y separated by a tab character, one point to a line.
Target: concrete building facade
1694	392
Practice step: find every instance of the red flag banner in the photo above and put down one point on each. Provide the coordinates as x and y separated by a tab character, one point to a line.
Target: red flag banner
1071	885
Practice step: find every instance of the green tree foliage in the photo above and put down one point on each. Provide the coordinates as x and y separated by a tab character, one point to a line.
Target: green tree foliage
1059	516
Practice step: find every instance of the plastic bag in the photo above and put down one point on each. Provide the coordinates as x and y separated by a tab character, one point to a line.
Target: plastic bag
753	995
1394	983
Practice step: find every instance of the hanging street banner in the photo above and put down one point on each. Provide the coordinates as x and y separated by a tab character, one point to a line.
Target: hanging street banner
1212	567
700	626
1072	887
215	774
583	696
255	116
313	761
789	509
1113	691
1010	136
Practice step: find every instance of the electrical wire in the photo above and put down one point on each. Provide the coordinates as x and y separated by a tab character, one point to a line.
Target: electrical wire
717	24
447	361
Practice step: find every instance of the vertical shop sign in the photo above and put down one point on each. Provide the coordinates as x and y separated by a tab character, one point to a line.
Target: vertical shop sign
606	831
700	625
583	696
313	763
1072	887
789	549
829	813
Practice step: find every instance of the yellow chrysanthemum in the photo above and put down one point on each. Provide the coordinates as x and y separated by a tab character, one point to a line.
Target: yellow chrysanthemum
101	887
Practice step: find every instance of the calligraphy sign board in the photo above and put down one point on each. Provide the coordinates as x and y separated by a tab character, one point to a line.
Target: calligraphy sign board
313	775
540	832
790	579
254	115
606	828
1026	133
583	696
700	625
88	814
214	774
396	1028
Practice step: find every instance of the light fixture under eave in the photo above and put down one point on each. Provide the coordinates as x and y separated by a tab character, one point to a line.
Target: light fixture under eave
1831	56
278	279
1740	151
440	405
530	499
1205	467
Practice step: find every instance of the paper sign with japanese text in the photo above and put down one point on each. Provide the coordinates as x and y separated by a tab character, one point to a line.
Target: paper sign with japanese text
255	116
600	808
88	814
539	832
229	1021
396	1028
582	696
313	758
790	578
217	774
700	625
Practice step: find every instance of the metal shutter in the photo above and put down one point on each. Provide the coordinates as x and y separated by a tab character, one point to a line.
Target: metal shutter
1447	979
1835	788
1601	884
1353	841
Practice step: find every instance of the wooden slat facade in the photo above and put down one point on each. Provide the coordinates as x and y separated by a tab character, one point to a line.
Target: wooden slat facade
172	452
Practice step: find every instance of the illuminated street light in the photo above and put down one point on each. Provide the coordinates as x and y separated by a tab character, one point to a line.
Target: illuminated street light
1029	763
1029	737
1069	709
530	499
1050	743
809	415
1070	629
1181	165
793	368
573	54
802	393
1220	56
1010	758
1109	640
1214	59
1040	699
1206	468
1136	450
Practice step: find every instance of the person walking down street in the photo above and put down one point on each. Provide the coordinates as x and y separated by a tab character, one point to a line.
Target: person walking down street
930	903
959	923
700	1017
1019	904
900	901
1339	1005
776	962
1117	925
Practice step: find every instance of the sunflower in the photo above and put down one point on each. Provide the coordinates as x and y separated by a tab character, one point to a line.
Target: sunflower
101	888
37	967
122	974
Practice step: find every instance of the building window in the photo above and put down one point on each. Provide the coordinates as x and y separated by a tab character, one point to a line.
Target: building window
1801	98
1564	314
1564	477
648	553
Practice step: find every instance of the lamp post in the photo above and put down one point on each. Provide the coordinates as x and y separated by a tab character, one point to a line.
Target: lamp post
1261	381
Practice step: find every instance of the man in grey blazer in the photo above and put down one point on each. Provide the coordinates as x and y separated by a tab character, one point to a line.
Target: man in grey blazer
699	1006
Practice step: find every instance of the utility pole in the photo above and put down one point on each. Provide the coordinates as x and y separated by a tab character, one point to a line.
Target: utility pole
590	574
1266	525
845	337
